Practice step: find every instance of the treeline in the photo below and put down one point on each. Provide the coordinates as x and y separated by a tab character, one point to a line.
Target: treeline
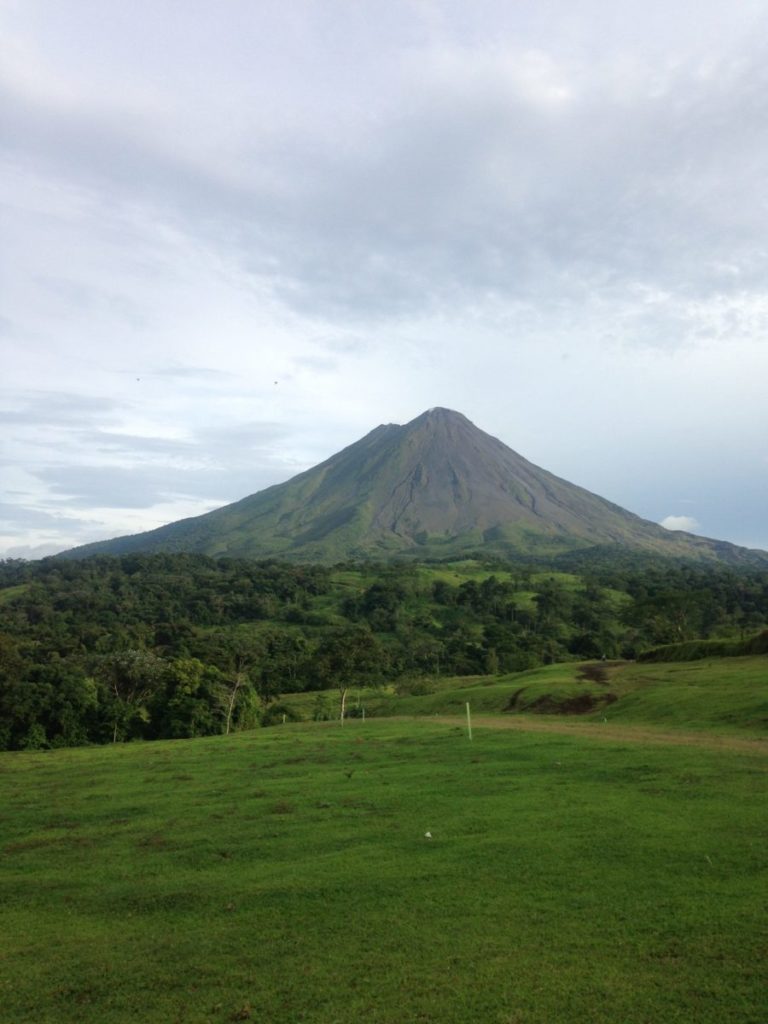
697	650
157	646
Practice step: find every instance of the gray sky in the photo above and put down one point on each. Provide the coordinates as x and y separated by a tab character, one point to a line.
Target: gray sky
239	235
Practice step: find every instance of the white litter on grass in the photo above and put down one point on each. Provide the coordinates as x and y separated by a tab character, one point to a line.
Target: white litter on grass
427	835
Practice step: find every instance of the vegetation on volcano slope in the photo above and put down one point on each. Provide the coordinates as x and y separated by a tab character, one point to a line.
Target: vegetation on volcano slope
153	646
286	875
436	487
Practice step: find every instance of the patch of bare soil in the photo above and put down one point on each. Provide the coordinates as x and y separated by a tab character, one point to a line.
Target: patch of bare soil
581	704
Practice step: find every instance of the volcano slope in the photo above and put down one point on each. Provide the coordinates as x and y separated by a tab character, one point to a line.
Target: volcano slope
435	487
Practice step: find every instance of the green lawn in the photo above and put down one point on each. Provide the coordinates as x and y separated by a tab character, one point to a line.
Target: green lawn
284	875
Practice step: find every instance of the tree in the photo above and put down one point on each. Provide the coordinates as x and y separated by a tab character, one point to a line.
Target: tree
193	700
346	657
130	678
238	657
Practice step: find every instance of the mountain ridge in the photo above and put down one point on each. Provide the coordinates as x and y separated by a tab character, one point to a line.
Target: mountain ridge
435	486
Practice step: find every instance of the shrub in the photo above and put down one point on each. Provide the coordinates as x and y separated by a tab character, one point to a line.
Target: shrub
275	714
695	650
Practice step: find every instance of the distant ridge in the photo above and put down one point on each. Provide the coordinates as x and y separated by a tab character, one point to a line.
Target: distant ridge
437	486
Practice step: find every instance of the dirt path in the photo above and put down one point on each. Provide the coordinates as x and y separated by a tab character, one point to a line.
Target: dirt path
609	731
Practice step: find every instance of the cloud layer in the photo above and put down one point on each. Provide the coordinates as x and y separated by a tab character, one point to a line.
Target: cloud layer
238	240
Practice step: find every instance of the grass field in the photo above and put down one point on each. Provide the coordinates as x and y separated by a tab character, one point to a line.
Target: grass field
284	875
724	694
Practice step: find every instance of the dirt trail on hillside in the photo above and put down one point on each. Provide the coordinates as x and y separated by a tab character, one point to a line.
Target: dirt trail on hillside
609	731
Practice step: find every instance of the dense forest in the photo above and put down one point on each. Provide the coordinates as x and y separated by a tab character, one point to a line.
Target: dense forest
112	648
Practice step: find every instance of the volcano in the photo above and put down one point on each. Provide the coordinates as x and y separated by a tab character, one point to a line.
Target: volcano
435	487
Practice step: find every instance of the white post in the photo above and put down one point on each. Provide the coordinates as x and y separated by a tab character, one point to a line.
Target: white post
283	719
363	712
469	722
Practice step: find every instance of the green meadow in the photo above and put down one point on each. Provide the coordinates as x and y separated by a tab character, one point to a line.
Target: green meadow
286	875
718	694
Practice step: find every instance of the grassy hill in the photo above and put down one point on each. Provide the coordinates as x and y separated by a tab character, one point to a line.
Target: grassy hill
720	694
286	875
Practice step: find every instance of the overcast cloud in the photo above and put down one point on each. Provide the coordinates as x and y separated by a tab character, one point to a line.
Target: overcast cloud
237	237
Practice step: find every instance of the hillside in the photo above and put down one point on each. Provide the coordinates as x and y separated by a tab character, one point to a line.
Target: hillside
162	646
722	696
435	487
